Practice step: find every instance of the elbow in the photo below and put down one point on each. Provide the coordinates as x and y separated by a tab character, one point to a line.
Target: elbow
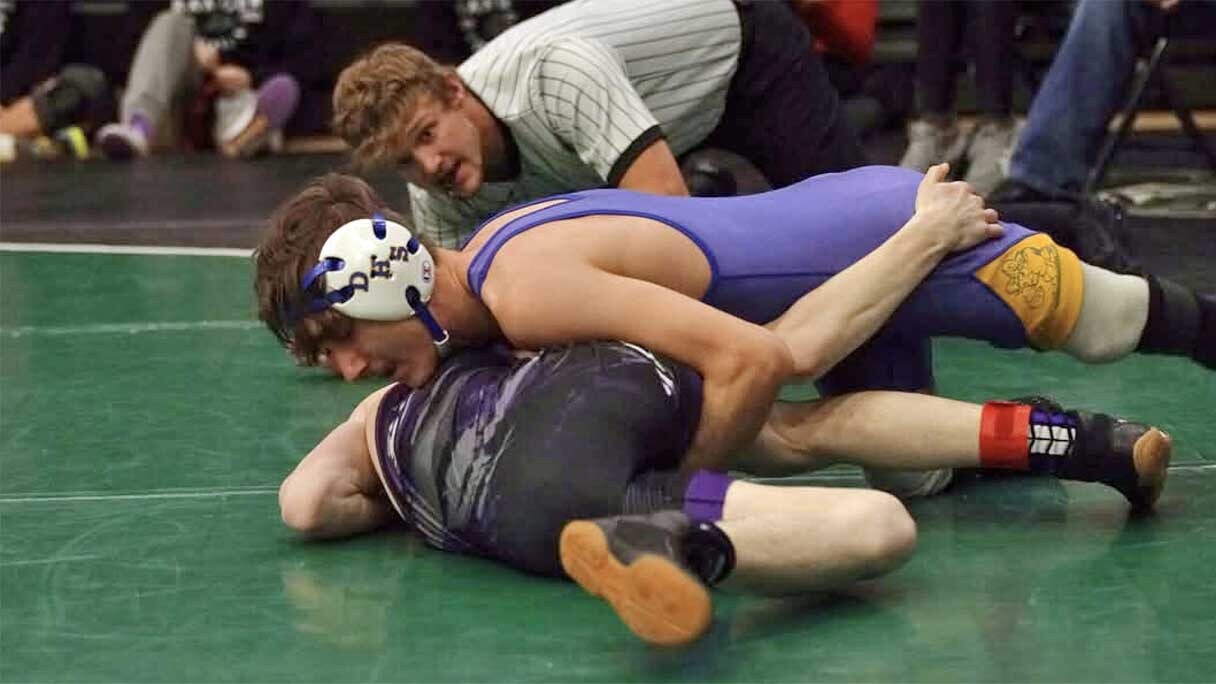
301	508
762	364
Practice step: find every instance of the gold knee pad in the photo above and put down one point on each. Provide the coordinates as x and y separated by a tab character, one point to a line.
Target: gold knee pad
1042	283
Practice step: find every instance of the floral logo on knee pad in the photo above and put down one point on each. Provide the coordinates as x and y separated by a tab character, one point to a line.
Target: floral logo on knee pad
1033	274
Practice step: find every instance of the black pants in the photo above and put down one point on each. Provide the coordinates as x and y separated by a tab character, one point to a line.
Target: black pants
782	113
941	26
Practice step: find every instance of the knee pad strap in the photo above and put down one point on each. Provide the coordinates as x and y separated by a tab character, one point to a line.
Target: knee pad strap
1174	319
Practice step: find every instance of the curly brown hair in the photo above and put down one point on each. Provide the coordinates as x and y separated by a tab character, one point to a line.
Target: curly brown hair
376	94
291	246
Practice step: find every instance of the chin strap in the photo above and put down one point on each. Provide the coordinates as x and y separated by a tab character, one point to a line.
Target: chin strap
438	334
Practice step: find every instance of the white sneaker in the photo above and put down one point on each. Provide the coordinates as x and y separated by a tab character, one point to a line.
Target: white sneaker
8	148
233	114
932	143
989	154
910	484
121	141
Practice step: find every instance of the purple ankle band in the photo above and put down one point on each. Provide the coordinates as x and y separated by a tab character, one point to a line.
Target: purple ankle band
140	123
705	495
277	99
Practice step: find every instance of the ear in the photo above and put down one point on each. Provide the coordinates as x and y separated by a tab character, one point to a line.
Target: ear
454	89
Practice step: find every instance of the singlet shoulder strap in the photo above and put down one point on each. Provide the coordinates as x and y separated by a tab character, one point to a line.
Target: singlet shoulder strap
480	266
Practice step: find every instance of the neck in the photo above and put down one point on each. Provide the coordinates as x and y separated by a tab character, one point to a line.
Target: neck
454	305
497	148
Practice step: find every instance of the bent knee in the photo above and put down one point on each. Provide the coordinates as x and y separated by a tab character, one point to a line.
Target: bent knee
890	533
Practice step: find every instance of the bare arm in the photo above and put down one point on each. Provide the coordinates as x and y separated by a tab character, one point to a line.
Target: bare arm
655	171
831	321
335	492
742	365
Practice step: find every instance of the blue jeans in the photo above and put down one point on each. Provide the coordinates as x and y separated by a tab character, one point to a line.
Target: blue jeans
1086	83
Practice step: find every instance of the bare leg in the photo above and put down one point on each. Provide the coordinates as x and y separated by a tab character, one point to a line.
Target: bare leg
653	569
791	540
870	429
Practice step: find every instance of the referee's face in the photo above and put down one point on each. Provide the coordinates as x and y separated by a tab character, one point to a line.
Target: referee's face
440	149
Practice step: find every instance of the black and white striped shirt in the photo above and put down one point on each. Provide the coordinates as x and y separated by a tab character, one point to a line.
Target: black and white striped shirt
584	88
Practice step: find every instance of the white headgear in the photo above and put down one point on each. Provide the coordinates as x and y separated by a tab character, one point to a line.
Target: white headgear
376	270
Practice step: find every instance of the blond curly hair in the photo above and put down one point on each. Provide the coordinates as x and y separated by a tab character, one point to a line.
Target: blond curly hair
376	94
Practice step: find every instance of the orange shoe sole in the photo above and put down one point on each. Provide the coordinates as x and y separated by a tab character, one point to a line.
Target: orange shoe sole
659	601
1151	456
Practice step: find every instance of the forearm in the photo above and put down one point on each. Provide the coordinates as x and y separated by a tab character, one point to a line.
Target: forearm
334	491
331	509
725	426
735	405
350	515
655	171
831	321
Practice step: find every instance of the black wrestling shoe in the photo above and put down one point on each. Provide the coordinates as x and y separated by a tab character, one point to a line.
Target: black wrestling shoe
636	563
1133	458
1010	190
1100	241
1205	343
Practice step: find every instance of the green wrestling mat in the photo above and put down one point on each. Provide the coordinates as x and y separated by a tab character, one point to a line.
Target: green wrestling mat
146	421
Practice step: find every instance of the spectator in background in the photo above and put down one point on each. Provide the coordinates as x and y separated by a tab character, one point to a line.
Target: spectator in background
844	33
935	135
1085	84
39	95
452	31
207	57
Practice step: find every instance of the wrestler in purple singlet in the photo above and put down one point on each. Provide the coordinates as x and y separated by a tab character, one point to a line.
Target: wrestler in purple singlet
767	250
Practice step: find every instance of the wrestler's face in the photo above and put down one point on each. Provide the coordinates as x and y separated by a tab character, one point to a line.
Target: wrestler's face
399	350
439	147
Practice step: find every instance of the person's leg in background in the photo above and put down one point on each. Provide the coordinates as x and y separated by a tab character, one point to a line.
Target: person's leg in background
272	106
991	31
1069	114
782	113
163	67
934	136
63	107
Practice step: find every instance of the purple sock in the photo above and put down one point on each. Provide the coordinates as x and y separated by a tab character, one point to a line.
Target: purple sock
705	495
140	123
277	99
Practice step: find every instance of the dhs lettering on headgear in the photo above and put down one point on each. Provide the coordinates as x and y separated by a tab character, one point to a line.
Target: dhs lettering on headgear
388	293
398	279
381	269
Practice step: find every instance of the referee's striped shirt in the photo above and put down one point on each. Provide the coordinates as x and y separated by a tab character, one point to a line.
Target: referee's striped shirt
584	88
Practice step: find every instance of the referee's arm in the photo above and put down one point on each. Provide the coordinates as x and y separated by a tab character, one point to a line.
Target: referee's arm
654	170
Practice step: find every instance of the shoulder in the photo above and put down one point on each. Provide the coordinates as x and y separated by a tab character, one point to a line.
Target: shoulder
575	57
367	409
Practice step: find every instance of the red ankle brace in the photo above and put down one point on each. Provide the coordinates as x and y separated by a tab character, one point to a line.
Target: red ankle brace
1004	429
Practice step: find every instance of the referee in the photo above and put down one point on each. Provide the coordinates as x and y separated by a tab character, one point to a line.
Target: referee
593	94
